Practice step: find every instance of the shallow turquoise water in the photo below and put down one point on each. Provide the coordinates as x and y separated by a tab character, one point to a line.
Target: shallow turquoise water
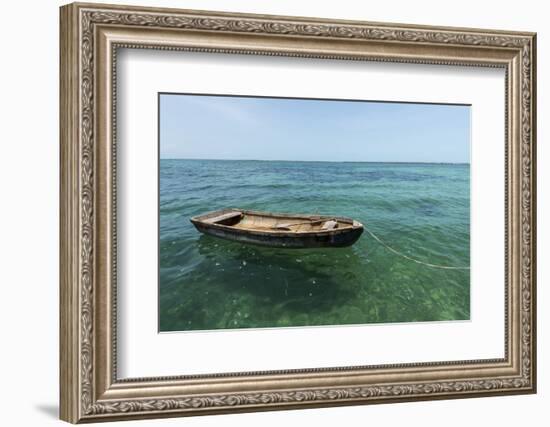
422	210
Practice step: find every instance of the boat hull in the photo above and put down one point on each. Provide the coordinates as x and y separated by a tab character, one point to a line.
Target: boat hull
336	238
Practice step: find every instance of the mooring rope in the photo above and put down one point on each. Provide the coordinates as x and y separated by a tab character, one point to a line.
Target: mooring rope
427	264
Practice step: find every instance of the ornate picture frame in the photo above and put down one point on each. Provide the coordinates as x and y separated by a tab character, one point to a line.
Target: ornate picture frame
90	37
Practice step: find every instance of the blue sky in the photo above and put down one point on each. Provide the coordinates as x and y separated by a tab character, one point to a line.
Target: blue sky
242	128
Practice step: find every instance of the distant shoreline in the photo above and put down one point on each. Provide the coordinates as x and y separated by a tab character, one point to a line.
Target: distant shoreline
324	161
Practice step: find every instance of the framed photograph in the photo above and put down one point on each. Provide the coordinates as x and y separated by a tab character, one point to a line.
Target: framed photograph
266	212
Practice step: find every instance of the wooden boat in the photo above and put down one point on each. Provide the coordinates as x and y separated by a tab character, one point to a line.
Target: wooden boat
279	230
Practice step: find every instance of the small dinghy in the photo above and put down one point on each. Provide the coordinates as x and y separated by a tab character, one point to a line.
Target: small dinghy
279	230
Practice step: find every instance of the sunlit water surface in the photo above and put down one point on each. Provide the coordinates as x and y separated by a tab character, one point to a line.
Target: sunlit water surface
422	210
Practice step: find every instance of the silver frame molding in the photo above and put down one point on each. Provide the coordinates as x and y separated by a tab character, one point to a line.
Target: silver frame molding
90	37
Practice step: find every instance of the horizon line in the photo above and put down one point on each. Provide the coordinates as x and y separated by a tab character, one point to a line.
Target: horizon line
315	161
318	161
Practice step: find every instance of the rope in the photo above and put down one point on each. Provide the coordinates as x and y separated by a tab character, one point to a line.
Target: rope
446	267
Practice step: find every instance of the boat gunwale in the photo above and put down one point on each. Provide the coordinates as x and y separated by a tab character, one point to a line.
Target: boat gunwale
200	219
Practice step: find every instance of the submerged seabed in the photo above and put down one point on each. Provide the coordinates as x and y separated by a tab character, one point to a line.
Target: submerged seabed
422	210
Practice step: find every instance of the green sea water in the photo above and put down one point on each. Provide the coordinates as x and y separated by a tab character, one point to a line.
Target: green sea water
421	210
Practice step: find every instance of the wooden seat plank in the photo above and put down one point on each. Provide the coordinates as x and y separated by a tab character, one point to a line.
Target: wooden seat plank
223	217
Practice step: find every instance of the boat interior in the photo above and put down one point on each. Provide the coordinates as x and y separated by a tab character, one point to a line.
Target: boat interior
247	220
